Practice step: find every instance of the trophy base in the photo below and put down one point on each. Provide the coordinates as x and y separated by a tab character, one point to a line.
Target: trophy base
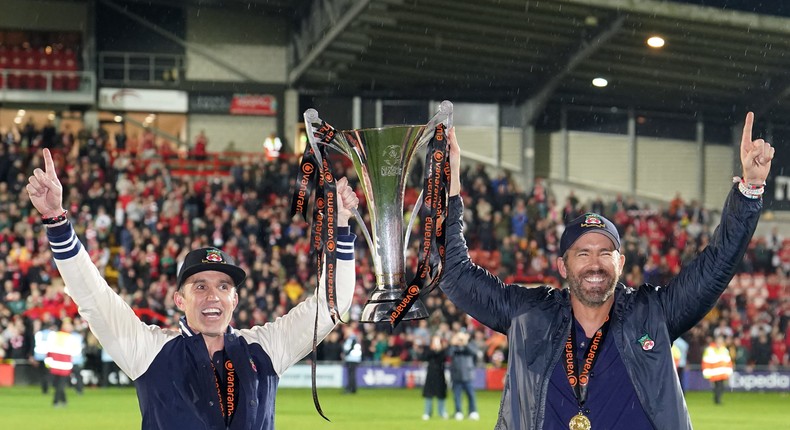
379	311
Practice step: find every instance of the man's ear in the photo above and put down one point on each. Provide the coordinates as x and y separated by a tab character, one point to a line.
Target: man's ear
178	299
561	267
235	298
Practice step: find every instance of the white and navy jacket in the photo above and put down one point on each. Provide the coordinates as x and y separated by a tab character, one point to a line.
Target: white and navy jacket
176	387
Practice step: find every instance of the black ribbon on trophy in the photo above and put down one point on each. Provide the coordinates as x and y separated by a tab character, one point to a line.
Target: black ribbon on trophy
435	186
314	172
381	158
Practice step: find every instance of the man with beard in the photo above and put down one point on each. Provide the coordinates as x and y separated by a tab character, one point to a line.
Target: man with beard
598	354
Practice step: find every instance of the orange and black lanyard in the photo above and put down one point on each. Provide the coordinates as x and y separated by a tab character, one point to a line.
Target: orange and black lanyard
228	394
435	186
579	379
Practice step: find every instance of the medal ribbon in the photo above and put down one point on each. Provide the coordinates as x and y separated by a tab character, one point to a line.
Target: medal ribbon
305	181
323	232
227	394
435	195
329	190
580	378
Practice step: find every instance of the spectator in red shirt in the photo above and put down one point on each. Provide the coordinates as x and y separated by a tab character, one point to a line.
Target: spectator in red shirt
201	143
779	349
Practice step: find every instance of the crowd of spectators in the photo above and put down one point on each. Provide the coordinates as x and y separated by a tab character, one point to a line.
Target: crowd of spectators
137	221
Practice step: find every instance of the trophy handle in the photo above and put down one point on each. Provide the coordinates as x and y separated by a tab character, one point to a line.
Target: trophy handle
412	218
363	227
310	117
444	115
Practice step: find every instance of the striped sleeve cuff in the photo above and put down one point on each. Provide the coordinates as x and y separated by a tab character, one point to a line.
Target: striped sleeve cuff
345	243
63	241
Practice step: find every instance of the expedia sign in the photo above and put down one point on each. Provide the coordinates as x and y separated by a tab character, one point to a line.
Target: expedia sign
760	381
744	381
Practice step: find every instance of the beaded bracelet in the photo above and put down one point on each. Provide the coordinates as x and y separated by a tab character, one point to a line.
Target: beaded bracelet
55	221
750	190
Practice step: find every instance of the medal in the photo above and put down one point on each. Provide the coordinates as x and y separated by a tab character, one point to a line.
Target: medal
579	422
578	378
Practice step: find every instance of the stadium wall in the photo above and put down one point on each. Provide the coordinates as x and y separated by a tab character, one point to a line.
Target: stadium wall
255	44
664	167
38	15
246	133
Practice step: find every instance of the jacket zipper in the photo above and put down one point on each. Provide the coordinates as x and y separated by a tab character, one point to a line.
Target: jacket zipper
547	374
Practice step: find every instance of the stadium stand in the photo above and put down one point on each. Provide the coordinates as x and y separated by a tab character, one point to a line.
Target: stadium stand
138	219
28	68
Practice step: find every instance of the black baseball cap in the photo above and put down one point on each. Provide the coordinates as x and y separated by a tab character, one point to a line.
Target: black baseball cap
202	259
588	223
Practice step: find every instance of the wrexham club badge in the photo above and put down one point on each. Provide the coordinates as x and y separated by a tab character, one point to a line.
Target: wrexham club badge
593	219
214	256
646	342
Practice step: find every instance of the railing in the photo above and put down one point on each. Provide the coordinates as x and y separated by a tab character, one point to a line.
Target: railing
187	163
130	68
157	132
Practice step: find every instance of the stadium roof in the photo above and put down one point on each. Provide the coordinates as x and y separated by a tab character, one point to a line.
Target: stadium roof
715	62
720	58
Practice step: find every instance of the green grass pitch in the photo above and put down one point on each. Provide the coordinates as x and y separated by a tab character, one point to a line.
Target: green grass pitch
116	408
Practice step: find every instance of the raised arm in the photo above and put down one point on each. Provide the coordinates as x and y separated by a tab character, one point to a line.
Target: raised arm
690	295
132	344
289	338
469	286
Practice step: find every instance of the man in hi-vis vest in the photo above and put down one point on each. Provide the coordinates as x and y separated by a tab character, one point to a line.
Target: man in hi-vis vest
61	347
717	366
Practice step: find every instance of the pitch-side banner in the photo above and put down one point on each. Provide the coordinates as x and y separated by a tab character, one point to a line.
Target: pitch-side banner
743	381
327	376
405	377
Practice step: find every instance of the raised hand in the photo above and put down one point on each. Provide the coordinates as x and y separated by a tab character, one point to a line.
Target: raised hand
756	155
45	190
347	200
455	163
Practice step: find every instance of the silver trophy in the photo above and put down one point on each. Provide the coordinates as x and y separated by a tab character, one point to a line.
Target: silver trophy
382	158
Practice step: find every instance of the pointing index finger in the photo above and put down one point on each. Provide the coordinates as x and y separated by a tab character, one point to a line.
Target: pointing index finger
747	128
49	165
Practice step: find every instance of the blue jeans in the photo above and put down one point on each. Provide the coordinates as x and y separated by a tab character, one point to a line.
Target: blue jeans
439	404
470	394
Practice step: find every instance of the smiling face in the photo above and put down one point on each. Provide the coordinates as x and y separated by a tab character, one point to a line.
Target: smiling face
208	299
592	267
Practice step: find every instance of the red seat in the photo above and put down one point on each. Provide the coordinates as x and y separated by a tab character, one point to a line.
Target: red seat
58	77
72	78
4	65
15	77
30	77
44	63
